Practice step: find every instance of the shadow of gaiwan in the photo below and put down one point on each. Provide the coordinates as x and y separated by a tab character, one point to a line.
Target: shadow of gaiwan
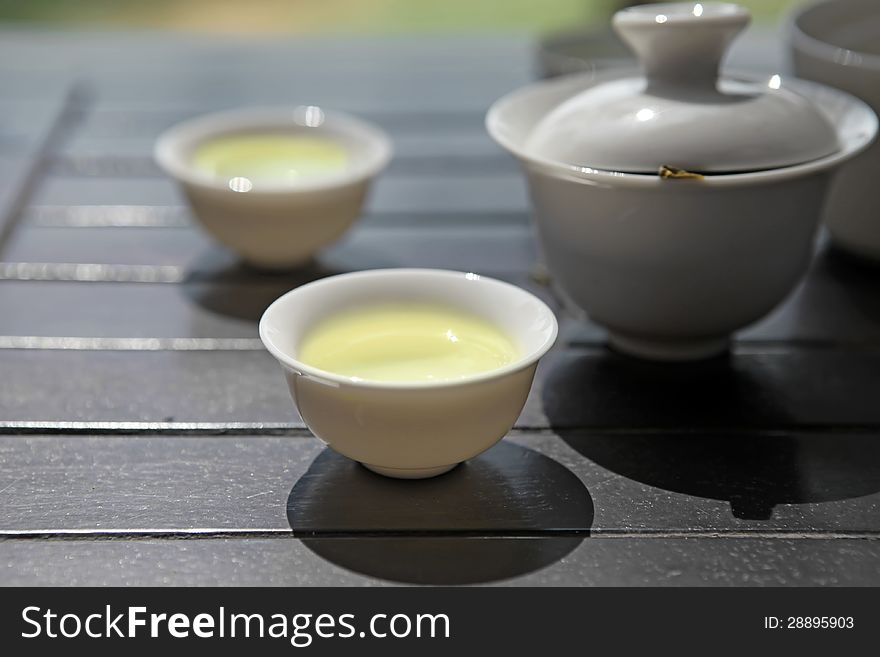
754	472
481	522
613	390
855	278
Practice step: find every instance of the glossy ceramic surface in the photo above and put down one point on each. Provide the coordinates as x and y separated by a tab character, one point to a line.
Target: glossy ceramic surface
419	429
672	267
838	43
280	224
680	114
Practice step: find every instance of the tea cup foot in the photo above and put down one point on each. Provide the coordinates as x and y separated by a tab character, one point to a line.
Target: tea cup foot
409	473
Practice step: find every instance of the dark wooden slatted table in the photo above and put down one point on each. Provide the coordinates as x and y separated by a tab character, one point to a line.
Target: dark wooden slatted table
138	408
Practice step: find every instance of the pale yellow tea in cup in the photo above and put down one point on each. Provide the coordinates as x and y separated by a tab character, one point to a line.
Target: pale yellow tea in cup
273	157
406	342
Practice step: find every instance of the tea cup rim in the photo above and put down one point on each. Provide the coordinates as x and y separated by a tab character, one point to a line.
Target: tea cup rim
173	147
821	49
295	365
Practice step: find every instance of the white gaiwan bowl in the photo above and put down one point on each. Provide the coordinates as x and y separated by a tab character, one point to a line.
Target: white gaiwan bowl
671	267
419	429
282	224
838	43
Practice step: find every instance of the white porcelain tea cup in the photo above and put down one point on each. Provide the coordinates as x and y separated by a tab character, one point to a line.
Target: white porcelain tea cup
276	224
410	429
838	43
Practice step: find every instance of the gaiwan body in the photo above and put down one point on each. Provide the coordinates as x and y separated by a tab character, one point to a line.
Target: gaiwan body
680	241
672	275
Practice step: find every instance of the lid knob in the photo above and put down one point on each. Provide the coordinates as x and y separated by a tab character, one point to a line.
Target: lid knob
681	44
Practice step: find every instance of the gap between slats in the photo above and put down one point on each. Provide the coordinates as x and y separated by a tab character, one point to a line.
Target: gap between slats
178	216
212	533
294	430
745	347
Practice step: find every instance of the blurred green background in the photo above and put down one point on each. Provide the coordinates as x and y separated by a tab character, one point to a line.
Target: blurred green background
322	16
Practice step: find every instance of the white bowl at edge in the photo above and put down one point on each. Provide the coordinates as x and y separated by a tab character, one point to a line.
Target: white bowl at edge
817	35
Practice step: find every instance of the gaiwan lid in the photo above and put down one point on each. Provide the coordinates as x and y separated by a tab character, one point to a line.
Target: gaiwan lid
681	116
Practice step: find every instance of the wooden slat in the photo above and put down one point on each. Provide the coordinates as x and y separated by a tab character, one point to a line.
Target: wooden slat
35	51
413	157
532	483
376	561
574	388
213	295
836	304
102	123
218	387
245	483
63	386
132	309
178	216
451	193
365	90
149	309
130	246
487	249
754	388
418	143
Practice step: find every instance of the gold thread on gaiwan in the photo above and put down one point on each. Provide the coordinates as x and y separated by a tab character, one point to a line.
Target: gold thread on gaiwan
673	173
